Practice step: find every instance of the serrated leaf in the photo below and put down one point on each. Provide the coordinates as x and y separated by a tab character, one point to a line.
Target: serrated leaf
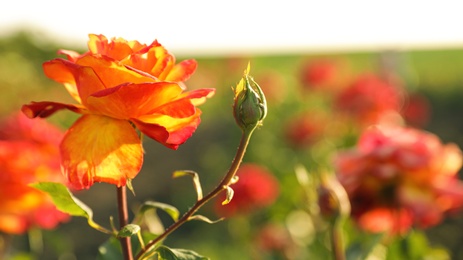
196	182
166	253
128	230
229	197
169	209
205	219
64	200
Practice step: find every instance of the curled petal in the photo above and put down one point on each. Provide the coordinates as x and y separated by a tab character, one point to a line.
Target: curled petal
154	131
117	49
62	71
178	129
109	72
80	81
182	71
100	149
198	96
71	55
133	100
47	108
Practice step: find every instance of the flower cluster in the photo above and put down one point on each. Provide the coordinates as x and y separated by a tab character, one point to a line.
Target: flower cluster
120	87
399	177
28	154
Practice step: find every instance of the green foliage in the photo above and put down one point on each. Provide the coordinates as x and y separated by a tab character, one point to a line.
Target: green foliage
64	200
196	182
111	249
67	203
415	246
128	230
166	253
169	209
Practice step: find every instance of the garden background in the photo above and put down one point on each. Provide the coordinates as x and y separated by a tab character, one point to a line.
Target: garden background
435	74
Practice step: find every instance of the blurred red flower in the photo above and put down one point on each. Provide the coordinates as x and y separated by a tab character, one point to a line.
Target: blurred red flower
368	100
28	153
120	86
398	177
315	74
255	189
417	110
305	129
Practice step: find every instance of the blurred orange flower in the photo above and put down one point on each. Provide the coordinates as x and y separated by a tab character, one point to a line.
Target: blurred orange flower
256	188
398	177
120	86
28	153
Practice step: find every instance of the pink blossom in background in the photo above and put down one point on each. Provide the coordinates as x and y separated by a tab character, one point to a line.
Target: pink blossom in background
400	177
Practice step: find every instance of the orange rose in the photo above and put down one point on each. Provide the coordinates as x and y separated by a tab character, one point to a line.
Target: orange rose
120	86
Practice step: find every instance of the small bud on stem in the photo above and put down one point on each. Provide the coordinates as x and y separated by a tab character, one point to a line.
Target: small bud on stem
250	106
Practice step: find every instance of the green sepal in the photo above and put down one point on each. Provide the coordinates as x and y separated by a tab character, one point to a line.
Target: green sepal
196	182
204	219
172	211
128	230
229	196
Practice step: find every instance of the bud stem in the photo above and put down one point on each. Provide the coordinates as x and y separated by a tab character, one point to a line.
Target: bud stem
226	180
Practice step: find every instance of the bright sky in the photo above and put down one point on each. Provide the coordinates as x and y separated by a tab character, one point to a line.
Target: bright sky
241	26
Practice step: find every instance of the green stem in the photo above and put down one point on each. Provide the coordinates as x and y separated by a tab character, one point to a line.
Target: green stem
245	137
123	221
336	241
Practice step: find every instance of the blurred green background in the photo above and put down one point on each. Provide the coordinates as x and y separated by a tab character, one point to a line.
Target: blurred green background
435	73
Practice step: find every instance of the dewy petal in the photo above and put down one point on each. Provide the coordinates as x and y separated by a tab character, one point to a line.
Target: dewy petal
133	100
100	149
46	109
182	71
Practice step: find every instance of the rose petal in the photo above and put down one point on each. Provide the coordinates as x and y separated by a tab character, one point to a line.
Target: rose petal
71	55
133	100
100	149
182	71
47	108
178	129
111	73
117	49
62	71
80	81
